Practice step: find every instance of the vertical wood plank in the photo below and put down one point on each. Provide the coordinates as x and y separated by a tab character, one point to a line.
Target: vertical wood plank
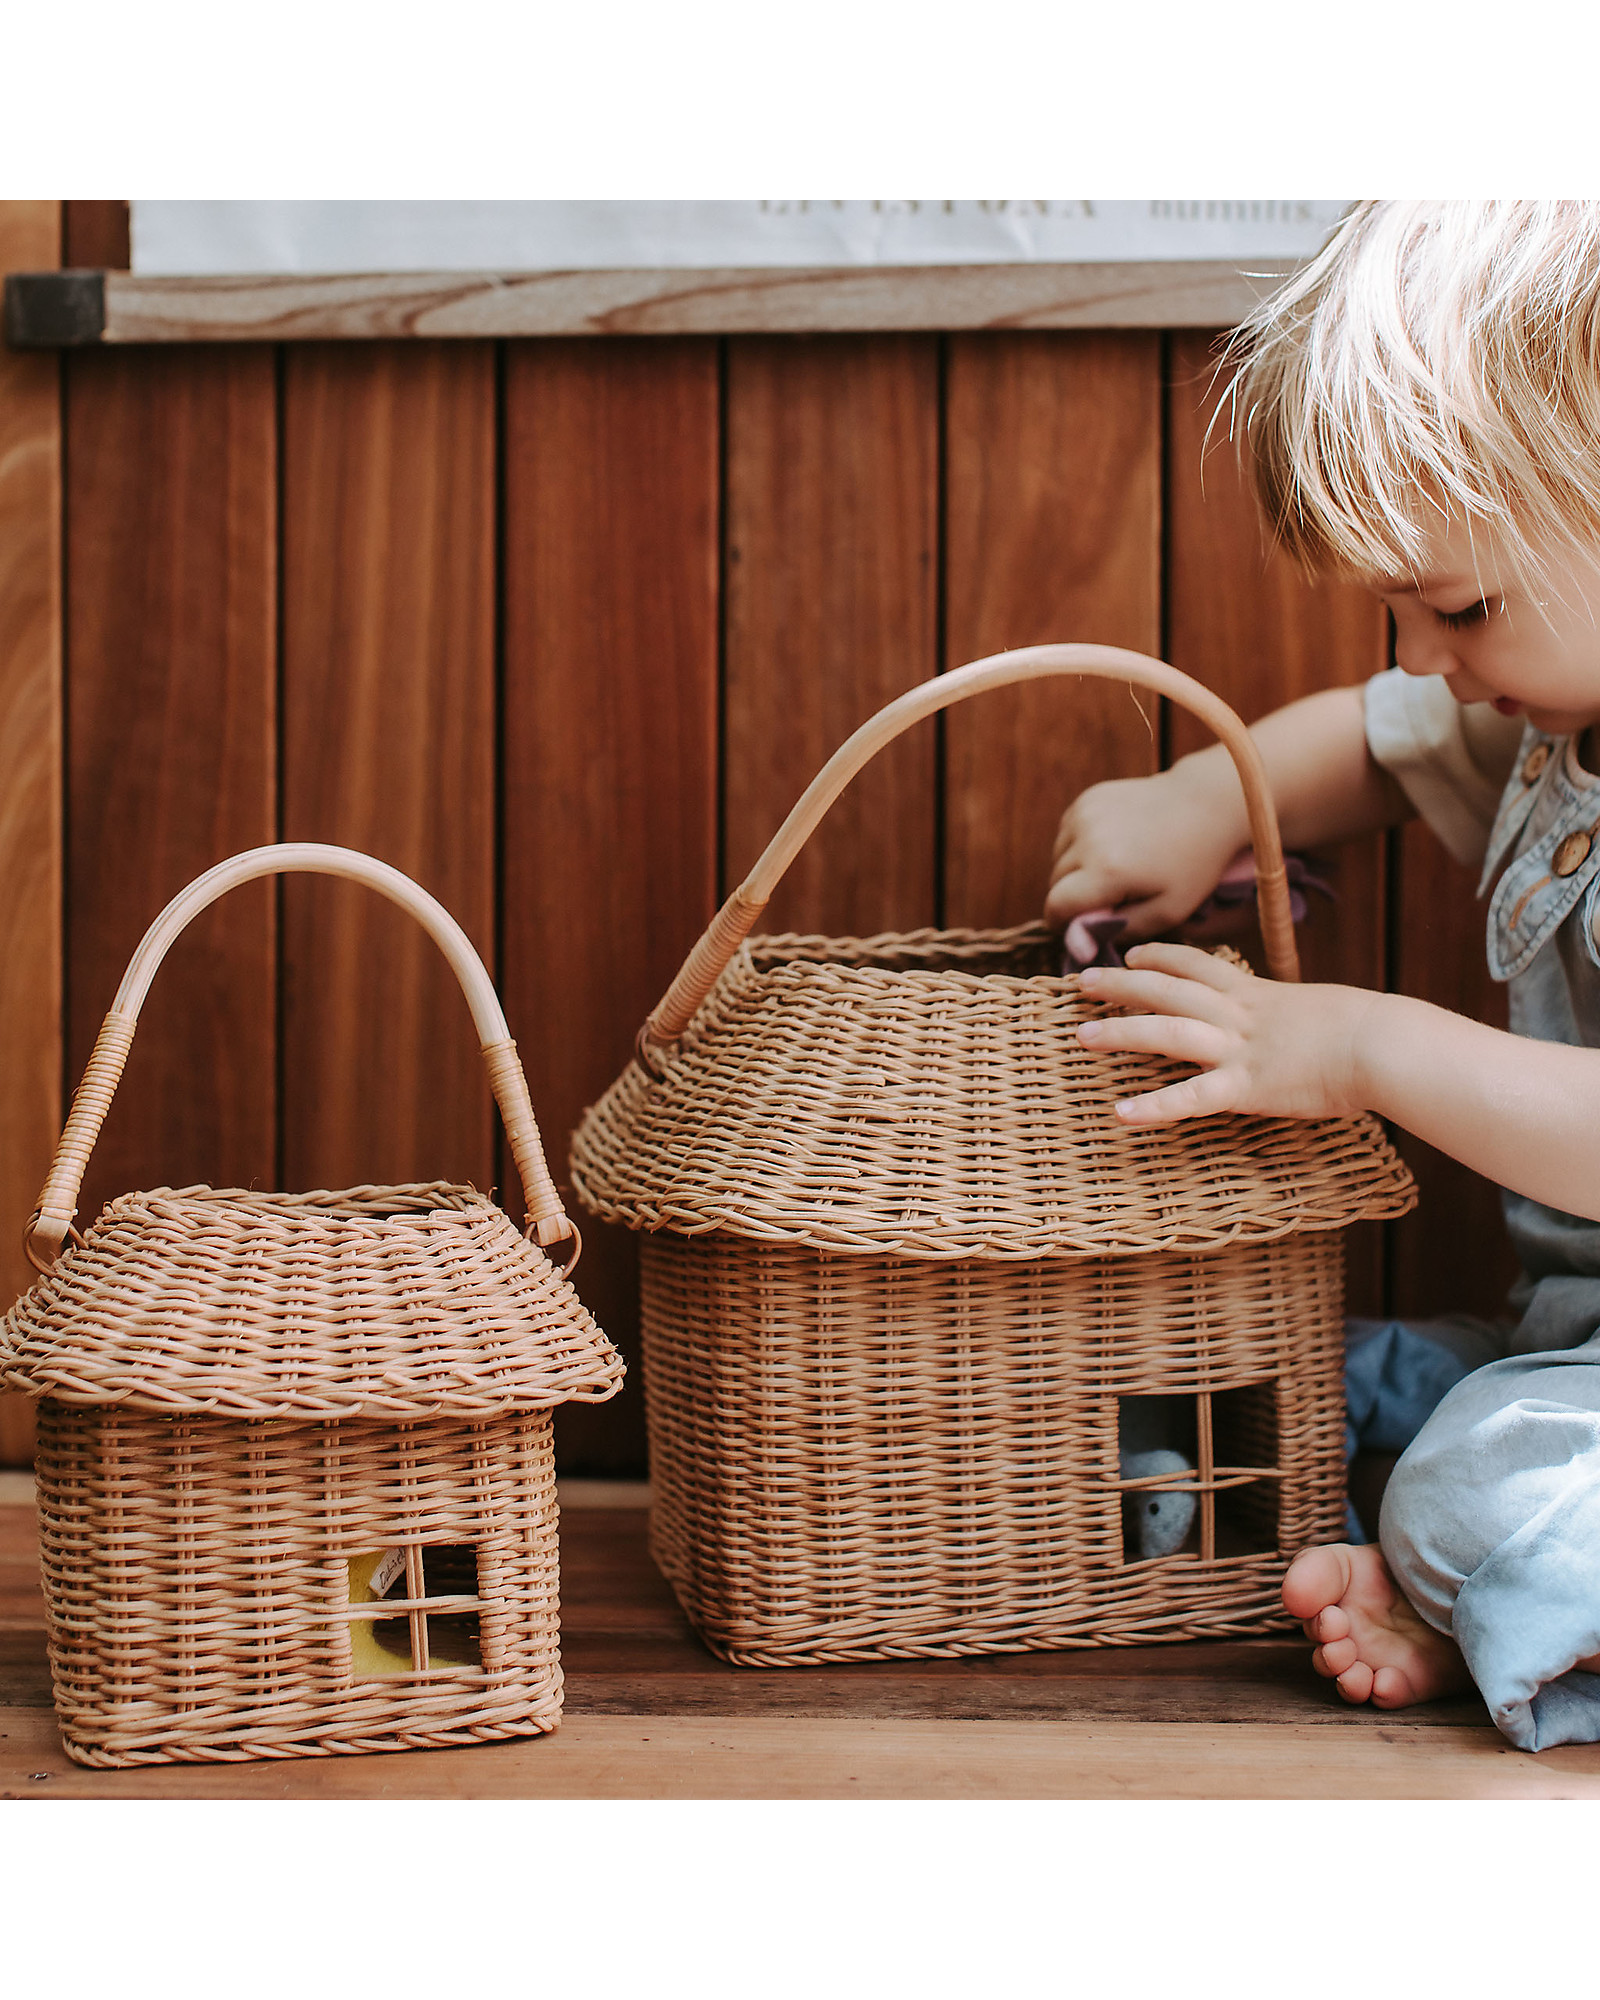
170	564
389	721
1242	619
30	777
95	236
1054	524
832	500
1451	1254
610	748
1245	622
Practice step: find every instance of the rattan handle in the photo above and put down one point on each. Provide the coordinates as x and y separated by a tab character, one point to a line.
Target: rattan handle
734	921
547	1220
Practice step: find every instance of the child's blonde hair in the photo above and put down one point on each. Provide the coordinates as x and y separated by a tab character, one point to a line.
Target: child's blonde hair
1436	357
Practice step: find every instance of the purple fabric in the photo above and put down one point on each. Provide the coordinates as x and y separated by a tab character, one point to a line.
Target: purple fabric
1091	937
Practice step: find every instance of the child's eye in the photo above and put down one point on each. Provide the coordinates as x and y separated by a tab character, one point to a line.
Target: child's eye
1471	614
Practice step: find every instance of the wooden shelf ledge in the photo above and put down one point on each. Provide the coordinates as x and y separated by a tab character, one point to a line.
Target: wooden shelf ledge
47	309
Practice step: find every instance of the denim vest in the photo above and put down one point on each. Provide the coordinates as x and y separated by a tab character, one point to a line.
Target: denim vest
1542	945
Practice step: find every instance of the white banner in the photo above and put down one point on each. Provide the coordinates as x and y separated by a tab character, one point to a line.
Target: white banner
198	238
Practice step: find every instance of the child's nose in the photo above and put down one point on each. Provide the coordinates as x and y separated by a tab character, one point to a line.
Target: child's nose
1424	653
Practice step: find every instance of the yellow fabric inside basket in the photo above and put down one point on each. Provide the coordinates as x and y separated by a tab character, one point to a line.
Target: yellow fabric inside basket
367	1657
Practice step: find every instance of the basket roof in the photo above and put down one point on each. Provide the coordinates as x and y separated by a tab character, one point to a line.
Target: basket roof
925	1096
397	1303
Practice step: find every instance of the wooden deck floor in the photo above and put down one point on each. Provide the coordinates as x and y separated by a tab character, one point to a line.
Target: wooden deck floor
651	1714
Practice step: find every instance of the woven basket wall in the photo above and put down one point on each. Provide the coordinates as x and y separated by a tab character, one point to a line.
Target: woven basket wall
859	1458
901	1267
197	1582
380	1381
295	1480
911	1289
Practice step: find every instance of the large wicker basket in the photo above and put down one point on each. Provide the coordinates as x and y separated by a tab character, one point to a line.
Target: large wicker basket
907	1282
295	1481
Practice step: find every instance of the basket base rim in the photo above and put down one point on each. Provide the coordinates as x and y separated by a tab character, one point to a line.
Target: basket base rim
96	1755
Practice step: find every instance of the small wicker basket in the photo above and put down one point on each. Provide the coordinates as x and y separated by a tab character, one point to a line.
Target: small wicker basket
295	1480
908	1284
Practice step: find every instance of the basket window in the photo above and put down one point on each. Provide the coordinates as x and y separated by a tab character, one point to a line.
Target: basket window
414	1609
1203	1468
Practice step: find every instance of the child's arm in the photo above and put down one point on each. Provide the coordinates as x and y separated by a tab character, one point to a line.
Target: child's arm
1159	845
1523	1112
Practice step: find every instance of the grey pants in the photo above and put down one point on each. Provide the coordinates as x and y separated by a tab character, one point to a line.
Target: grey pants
1491	1526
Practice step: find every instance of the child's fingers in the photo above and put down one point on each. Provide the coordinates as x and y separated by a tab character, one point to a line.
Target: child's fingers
1155	992
1153	913
1176	1035
1187	961
1075	887
1067	898
1195	1097
1077	890
1080	889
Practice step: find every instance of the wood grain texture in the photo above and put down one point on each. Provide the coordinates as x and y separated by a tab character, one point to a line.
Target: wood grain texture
500	305
1214	1698
95	236
610	749
1452	1253
170	555
389	747
650	1714
832	499
738	1757
1242	619
1053	533
30	779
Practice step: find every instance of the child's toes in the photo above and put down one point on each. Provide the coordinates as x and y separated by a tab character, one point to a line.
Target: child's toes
1332	1622
1317	1577
1355	1683
1332	1660
1391	1688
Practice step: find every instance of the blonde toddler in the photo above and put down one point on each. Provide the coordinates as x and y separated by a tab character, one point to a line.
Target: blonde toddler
1421	407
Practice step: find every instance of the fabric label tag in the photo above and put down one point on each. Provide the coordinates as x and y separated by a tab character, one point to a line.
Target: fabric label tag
391	1564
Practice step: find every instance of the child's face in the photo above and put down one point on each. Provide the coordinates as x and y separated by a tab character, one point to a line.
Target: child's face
1493	641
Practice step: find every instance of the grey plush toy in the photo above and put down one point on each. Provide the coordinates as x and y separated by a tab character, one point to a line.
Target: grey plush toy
1155	1522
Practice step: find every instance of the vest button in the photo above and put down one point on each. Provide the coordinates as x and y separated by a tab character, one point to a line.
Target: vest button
1571	854
1537	758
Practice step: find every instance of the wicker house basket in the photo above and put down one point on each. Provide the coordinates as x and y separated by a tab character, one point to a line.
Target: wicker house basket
295	1483
907	1282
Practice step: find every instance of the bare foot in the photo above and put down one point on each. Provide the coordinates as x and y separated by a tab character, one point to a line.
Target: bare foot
1369	1640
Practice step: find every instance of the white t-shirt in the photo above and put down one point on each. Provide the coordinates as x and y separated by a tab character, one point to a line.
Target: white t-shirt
1450	758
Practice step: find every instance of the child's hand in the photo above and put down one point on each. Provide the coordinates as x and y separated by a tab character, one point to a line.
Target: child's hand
1283	1051
1152	848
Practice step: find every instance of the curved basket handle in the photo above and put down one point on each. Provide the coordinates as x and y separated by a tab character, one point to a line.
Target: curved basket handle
48	1226
733	922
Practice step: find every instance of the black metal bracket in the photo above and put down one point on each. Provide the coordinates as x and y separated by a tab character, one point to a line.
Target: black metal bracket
55	308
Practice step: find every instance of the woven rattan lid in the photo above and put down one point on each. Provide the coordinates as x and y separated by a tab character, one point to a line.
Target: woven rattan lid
927	1096
395	1302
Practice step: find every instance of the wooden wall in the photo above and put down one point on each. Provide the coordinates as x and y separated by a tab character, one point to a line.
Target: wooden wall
31	1074
561	628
